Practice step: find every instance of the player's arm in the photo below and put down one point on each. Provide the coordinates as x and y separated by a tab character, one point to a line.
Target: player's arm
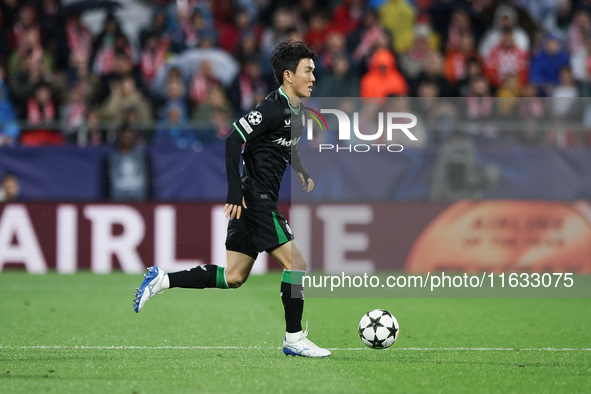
234	197
264	117
298	167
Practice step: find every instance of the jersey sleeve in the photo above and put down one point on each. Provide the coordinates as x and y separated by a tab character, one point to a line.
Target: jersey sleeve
266	116
296	162
233	147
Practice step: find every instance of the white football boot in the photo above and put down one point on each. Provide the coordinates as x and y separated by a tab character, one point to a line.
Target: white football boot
304	347
152	285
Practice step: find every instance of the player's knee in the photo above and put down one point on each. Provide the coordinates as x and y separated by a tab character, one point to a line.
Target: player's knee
235	279
299	263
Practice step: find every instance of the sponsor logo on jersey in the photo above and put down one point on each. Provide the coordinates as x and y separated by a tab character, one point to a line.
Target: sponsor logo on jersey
254	118
284	142
287	122
245	125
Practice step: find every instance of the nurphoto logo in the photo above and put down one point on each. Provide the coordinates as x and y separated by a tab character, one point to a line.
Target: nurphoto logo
388	123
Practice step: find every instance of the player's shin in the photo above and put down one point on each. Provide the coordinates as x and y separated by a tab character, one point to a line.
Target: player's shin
292	295
201	277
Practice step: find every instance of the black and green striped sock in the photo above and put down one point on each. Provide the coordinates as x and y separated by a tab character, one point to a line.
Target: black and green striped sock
200	277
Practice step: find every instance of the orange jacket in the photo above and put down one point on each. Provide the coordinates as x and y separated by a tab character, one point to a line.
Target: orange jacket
383	78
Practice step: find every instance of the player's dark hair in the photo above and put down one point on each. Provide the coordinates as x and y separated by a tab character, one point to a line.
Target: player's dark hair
287	55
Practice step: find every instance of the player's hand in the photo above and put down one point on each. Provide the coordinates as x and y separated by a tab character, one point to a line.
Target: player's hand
234	211
308	186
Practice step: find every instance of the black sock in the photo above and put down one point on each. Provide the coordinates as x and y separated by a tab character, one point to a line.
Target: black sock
292	296
199	277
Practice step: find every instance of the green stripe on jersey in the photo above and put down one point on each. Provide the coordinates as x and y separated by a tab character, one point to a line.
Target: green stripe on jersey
239	132
281	92
282	238
293	277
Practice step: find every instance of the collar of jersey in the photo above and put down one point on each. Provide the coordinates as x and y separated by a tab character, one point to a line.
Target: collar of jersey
281	92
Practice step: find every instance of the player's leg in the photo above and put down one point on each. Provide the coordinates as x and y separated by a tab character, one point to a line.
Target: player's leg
204	276
237	271
240	258
238	268
296	342
292	292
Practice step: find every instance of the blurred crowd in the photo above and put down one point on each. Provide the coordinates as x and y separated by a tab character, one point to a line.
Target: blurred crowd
61	84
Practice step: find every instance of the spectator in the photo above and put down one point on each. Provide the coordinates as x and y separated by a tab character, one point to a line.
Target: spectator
347	16
174	130
563	16
546	64
277	32
456	60
398	17
152	58
41	107
459	27
506	59
473	70
74	113
175	91
78	73
383	78
336	45
156	28
366	39
318	30
413	62
508	92
26	25
106	46
9	129
49	22
339	81
216	111
26	68
231	34
505	20
248	88
580	63
127	169
439	114
531	105
198	30
480	106
565	94
92	133
42	118
125	95
10	190
248	48
202	81
433	73
445	19
77	38
579	28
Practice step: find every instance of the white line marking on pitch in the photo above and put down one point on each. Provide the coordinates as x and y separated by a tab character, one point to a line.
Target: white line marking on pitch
428	349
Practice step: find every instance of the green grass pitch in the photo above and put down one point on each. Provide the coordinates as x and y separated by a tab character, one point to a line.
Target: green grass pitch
79	334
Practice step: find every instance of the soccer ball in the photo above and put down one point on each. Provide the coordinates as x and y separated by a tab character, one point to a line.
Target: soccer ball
378	329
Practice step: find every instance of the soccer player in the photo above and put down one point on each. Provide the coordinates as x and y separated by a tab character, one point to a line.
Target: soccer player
256	225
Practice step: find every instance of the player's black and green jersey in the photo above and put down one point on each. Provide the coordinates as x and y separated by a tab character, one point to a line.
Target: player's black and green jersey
270	138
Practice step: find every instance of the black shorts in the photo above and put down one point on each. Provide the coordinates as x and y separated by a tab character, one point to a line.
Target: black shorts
258	229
